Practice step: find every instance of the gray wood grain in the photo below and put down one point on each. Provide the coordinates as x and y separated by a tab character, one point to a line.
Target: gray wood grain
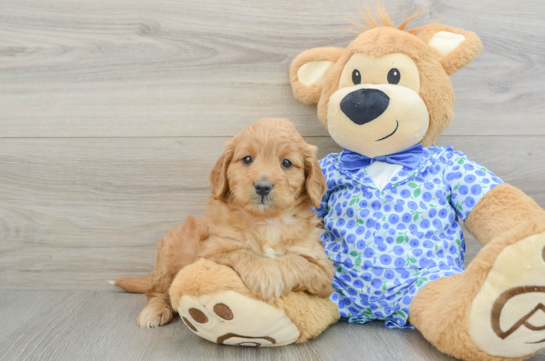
41	325
112	113
77	212
209	67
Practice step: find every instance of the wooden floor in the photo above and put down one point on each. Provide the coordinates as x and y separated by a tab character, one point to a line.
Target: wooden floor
112	114
83	325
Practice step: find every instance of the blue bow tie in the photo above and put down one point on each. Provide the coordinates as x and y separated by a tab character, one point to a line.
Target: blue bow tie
409	158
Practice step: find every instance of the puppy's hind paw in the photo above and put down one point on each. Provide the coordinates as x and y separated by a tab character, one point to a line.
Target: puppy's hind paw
154	315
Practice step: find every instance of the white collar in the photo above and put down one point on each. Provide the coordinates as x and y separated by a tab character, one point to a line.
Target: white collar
381	173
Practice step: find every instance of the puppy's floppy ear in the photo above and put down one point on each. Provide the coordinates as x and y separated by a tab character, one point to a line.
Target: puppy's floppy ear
308	70
315	181
218	176
457	47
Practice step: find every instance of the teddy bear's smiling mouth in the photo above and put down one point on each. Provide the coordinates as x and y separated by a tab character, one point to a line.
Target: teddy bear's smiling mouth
389	135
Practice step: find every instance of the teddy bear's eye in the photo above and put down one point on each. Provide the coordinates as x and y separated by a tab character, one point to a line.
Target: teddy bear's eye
394	76
356	77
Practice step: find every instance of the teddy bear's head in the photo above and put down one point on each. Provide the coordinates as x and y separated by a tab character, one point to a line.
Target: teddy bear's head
389	89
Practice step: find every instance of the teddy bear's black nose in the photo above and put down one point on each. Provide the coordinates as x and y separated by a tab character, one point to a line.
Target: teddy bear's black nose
364	105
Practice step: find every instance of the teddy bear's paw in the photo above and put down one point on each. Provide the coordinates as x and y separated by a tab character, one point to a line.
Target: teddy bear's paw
507	316
233	319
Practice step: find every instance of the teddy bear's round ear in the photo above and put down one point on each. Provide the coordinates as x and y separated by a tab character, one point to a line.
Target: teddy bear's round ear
457	47
308	70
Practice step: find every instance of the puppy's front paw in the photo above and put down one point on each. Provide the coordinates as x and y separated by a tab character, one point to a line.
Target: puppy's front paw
325	291
322	291
266	282
154	315
269	290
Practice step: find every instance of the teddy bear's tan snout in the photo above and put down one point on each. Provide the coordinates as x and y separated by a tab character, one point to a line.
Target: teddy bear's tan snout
377	119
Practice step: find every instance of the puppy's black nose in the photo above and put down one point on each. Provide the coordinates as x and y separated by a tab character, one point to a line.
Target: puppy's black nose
263	188
364	105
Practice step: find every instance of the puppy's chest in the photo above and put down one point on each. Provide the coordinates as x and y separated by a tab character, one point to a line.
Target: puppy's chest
272	237
271	253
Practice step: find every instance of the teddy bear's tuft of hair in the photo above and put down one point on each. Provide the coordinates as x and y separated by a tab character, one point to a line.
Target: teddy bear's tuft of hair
385	20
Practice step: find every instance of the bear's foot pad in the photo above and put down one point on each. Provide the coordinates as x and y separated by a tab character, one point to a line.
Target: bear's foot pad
230	318
507	317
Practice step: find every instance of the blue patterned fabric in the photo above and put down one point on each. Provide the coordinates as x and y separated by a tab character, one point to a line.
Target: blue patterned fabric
387	245
409	158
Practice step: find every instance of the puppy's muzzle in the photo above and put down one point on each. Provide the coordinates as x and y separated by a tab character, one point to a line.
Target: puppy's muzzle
263	188
364	105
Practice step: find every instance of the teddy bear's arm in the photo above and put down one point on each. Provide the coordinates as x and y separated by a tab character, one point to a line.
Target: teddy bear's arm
503	208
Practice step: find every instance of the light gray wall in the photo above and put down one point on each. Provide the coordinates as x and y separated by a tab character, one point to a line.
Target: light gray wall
112	113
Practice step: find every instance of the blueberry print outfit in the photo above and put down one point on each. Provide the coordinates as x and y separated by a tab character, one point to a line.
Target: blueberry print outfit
387	245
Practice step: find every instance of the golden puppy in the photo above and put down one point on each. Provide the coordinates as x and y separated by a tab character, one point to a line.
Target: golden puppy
258	221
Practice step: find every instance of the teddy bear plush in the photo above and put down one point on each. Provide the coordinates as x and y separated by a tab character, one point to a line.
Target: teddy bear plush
216	305
393	213
395	202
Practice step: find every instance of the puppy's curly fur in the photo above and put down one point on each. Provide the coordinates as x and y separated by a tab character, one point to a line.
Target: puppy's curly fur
272	242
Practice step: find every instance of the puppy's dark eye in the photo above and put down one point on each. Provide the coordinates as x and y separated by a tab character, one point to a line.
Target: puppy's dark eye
356	77
286	163
394	76
247	160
